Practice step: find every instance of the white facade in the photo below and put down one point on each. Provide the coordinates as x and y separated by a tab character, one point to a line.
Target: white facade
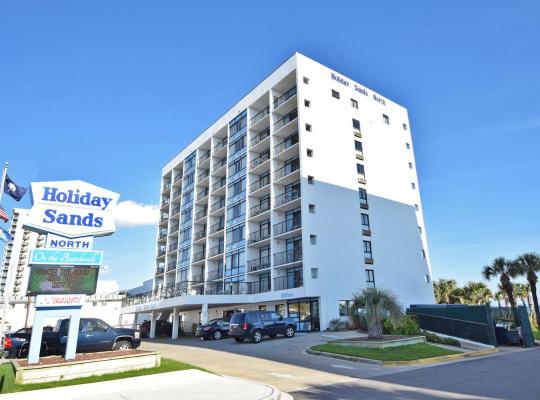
295	210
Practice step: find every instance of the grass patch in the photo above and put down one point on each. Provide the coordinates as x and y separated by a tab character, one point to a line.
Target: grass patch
399	353
8	385
536	333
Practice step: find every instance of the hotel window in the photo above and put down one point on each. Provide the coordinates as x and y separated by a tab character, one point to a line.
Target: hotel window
335	94
236	211
413	185
238	123
309	152
362	194
306	80
355	124
307	103
358	146
404	127
423	252
312	208
427	278
410	165
237	166
365	220
416	207
237	188
367	249
370	277
360	170
313	239
310	180
354	103
308	128
420	229
235	236
386	119
314	273
235	263
237	145
345	307
408	145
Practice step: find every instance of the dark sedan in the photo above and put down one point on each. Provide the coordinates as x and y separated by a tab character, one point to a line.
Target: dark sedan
214	329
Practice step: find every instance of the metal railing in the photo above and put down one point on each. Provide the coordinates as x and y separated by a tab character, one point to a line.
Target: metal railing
259	208
200	234
214	275
173	229
286	197
217	227
219	184
216	250
171	266
202	194
260	115
289	281
260	137
258	264
287	169
285	144
287	226
201	213
167	186
284	97
259	235
217	206
288	256
176	193
262	158
286	119
204	157
221	144
261	286
160	270
262	182
175	210
203	175
198	256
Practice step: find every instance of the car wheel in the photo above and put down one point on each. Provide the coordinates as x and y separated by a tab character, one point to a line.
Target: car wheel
257	336
289	332
217	335
273	335
239	339
122	345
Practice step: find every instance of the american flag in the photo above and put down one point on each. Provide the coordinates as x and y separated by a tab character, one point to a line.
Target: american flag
3	214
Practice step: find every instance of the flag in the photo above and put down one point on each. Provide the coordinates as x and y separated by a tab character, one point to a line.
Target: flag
5	235
3	214
14	190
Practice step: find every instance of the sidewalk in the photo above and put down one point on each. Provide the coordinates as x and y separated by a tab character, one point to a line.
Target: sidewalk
185	385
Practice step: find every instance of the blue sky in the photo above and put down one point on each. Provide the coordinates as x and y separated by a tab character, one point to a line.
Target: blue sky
109	91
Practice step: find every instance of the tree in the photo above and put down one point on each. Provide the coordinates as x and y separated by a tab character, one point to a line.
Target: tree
500	295
528	264
504	269
446	291
521	291
377	304
477	293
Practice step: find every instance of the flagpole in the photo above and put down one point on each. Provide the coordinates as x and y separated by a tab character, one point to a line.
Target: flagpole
6	288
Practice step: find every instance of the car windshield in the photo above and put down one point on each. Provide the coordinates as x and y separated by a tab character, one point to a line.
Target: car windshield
238	318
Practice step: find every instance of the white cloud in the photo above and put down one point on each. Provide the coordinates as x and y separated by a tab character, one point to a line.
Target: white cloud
129	214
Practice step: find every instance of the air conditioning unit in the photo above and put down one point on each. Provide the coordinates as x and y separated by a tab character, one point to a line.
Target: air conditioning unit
366	232
368	260
365	206
362	181
357	133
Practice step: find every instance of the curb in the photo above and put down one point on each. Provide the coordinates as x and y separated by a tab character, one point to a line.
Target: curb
420	361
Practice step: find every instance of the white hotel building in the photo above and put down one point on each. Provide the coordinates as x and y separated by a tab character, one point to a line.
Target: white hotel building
304	192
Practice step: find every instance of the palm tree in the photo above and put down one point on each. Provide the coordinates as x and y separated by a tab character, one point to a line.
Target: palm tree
445	291
500	295
377	304
504	269
521	291
477	293
529	265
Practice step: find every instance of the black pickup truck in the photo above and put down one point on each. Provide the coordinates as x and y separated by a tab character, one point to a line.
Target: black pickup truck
94	335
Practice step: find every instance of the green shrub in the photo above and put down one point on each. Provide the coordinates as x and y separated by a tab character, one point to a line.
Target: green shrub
336	324
406	326
433	338
358	321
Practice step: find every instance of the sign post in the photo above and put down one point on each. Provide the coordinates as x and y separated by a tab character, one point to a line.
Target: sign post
72	213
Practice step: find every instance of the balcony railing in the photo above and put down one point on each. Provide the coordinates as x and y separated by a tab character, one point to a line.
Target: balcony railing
165	203
260	137
289	281
172	247
199	278
284	97
217	165
175	210
217	227
202	194
204	157
173	229
164	217
221	144
217	206
203	175
201	213
285	144
286	119
287	197
258	264
200	234
178	177
260	115
213	275
287	257
287	169
219	184
287	226
163	233
259	235
176	193
215	251
160	270
171	266
162	251
259	208
258	287
262	158
198	256
262	182
166	186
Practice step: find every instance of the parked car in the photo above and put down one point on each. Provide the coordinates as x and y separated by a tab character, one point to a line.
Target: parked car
163	328
214	329
254	325
94	335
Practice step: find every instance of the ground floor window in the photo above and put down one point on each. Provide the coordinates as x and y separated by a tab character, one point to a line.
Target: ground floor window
280	309
262	307
305	312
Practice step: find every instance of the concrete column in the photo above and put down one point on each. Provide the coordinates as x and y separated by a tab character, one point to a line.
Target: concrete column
204	314
73	335
135	318
153	316
175	323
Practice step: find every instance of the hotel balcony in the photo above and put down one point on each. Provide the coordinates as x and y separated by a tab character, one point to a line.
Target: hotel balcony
218	188
291	281
288	258
172	248
164	217
289	173
261	183
260	237
216	228
287	229
285	126
260	163
174	229
218	208
200	236
162	251
175	211
287	148
166	188
176	193
201	214
260	141
220	148
165	203
202	195
219	167
287	201
162	234
258	287
286	101
171	266
215	275
260	211
178	178
215	252
204	160
203	177
258	264
260	118
160	270
198	257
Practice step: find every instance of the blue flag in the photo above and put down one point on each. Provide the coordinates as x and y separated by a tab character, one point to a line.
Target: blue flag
5	235
14	190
